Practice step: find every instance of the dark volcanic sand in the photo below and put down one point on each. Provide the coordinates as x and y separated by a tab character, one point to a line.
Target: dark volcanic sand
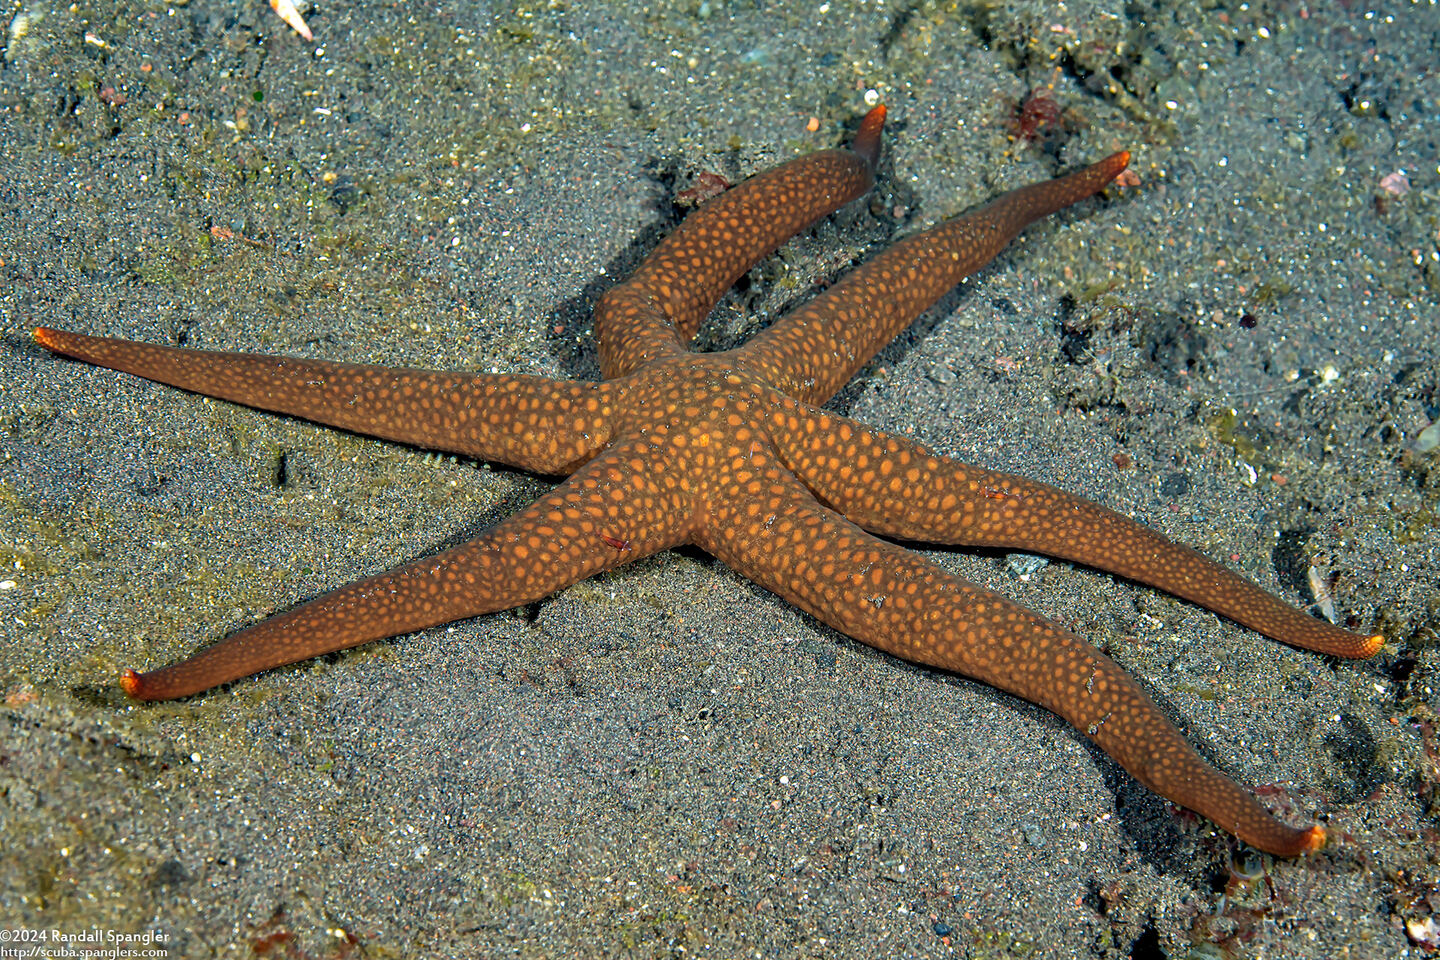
668	760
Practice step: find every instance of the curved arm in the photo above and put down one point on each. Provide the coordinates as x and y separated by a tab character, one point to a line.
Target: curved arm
773	532
657	310
815	349
897	488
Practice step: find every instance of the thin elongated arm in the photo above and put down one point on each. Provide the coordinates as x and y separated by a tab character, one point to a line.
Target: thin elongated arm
548	426
657	310
897	488
603	516
769	529
815	349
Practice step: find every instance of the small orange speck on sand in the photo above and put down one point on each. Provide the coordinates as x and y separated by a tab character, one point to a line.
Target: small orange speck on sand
813	124
20	696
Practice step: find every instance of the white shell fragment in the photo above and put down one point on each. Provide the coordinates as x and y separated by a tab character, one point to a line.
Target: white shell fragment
291	15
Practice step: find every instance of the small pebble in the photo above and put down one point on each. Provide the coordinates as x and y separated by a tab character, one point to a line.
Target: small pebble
1023	565
939	373
1396	184
1429	438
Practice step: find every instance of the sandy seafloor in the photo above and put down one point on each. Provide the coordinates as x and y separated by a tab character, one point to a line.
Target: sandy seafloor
669	761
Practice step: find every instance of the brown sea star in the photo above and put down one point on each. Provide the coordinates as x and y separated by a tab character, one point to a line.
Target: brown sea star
729	451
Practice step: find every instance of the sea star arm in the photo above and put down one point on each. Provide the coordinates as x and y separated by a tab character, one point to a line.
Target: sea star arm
547	426
768	528
895	487
605	515
657	310
815	349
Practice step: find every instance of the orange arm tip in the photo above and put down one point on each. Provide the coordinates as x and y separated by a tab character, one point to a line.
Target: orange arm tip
130	683
1114	168
1314	838
1115	164
1372	646
46	337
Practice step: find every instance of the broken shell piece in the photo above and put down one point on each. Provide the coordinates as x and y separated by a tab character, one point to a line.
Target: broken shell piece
1428	439
291	15
1321	587
1425	933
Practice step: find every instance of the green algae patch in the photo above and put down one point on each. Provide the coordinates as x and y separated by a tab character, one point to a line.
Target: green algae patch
1199	692
1415	527
175	264
1000	945
46	563
1250	443
34	541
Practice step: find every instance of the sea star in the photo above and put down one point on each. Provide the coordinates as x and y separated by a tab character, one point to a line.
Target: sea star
730	451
